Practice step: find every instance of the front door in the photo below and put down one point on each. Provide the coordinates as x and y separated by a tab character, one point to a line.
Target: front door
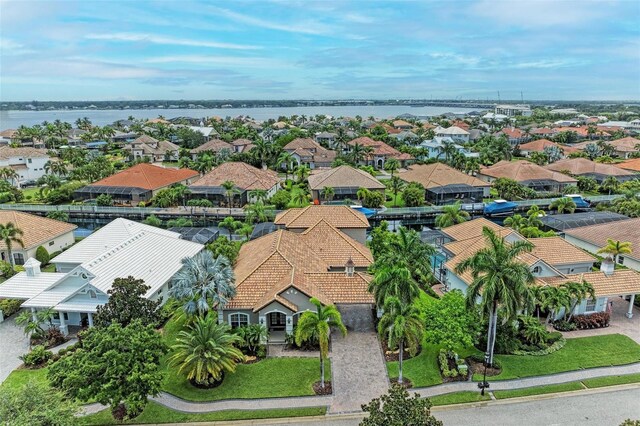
277	321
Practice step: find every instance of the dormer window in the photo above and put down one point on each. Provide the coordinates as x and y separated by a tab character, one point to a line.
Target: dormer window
537	270
92	294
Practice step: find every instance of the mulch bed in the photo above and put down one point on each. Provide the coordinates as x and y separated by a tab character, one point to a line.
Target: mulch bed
319	390
406	383
390	355
478	367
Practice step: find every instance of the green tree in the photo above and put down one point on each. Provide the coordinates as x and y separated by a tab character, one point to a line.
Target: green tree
222	246
328	193
58	215
499	280
450	323
230	224
516	222
116	366
391	165
615	248
206	351
317	325
281	199
256	212
396	408
577	291
229	191
127	302
300	198
563	204
402	327
153	220
10	234
451	215
203	283
36	404
246	230
610	185
42	255
393	281
413	195
396	184
104	200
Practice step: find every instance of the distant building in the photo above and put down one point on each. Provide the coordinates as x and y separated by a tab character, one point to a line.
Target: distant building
513	110
214	146
27	162
435	148
309	152
528	174
454	132
380	152
587	168
147	147
345	181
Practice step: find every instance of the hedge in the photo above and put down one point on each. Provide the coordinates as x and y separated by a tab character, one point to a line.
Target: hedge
9	306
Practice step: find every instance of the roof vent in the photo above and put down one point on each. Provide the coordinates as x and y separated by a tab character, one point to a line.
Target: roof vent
349	267
32	267
607	266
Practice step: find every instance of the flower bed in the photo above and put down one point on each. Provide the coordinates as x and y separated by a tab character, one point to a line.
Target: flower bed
555	346
452	368
590	321
394	355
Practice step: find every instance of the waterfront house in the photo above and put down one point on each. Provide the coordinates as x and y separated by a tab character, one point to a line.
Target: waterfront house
344	218
539	145
152	149
345	181
27	162
435	148
587	168
528	174
242	145
380	152
85	272
326	138
454	132
306	151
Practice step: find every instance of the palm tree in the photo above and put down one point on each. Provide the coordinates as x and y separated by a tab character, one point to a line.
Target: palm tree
515	222
535	211
564	204
230	224
7	173
300	198
55	167
229	191
261	151
357	153
451	215
402	326
615	248
203	283
328	193
396	184
408	250
577	291
391	165
286	159
554	299
302	172
246	230
258	194
9	234
499	280
206	351
256	212
448	148
362	193
610	184
317	325
393	280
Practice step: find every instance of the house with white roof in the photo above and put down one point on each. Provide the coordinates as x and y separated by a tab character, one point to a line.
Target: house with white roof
85	273
456	133
27	162
435	148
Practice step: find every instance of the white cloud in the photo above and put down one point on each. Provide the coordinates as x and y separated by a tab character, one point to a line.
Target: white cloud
159	39
304	27
247	62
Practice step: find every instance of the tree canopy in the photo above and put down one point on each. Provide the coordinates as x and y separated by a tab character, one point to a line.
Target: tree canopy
127	303
396	408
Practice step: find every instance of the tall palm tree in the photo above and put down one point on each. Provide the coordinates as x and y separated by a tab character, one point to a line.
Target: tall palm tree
499	280
7	173
286	159
393	280
451	215
261	151
302	172
203	283
206	351
407	249
564	204
554	299
328	193
448	148
402	326
515	222
357	153
55	167
317	325
391	165
229	191
615	248
230	224
258	194
396	184
256	212
610	184
10	234
300	198
577	291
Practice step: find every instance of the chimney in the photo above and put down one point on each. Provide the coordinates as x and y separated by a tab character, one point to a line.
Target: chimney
32	267
607	266
349	267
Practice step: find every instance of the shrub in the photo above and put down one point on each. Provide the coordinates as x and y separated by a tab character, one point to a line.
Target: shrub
373	199
555	346
202	202
6	270
104	200
595	320
53	337
37	357
9	306
562	325
443	361
281	199
42	255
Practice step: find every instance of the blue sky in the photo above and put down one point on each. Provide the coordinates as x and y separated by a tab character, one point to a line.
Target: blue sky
107	50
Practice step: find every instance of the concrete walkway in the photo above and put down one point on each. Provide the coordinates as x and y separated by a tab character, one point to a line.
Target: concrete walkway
359	371
14	343
619	323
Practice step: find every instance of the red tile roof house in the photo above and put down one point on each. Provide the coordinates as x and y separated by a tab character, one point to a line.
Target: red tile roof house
515	135
214	146
309	152
380	153
588	168
148	147
529	174
539	145
136	184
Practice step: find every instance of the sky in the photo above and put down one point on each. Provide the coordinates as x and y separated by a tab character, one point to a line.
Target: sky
276	49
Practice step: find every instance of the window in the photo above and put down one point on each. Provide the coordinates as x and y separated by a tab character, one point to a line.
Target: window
238	320
18	258
92	294
591	305
621	260
51	243
29	161
537	270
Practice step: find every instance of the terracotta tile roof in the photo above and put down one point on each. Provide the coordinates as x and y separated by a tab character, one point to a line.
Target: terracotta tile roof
151	145
338	216
540	144
269	265
470	229
343	177
241	142
633	164
511	132
622	230
580	166
627	144
214	145
580	131
7	152
308	148
244	176
558	251
621	282
542	131
524	171
401	123
8	133
36	230
380	148
438	174
147	176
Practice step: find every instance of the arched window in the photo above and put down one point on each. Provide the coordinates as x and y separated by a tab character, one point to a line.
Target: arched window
238	320
537	270
92	294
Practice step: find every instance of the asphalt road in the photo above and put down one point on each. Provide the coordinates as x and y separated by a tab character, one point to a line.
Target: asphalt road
602	409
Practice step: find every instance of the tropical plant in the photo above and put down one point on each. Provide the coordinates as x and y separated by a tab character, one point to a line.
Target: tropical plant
396	184
287	160
610	185
328	193
8	174
563	204
450	323
229	191
515	222
391	165
206	351
402	327
413	195
10	234
300	198
499	280
252	336
37	404
203	283
317	325
230	224
577	291
58	215
393	281
615	248
534	332
256	212
451	215
397	408
127	302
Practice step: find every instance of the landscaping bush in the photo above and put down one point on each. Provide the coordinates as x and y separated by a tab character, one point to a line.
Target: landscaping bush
253	336
69	349
281	199
479	358
9	306
202	202
6	270
37	357
53	337
444	357
562	325
310	345
557	345
596	320
42	255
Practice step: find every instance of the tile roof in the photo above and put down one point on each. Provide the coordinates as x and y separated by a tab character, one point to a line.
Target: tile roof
438	174
147	176
621	230
470	229
627	144
621	282
334	246
244	176
37	230
308	148
151	145
632	164
338	216
214	145
343	177
522	170
241	142
453	130
7	152
580	166
380	148
540	144
558	251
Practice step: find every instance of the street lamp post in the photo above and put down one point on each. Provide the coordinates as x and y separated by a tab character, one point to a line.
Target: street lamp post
484	385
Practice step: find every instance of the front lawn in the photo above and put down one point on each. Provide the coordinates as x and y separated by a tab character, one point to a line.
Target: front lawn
18	378
538	390
577	354
459	398
624	379
156	413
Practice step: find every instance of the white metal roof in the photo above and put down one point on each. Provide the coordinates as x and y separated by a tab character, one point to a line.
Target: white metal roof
51	297
21	286
105	238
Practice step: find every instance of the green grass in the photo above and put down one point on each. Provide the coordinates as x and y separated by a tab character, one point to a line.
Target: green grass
18	378
539	390
399	202
156	413
269	378
458	398
577	354
624	379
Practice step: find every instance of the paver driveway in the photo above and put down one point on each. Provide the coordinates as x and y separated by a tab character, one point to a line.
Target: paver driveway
359	372
13	343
